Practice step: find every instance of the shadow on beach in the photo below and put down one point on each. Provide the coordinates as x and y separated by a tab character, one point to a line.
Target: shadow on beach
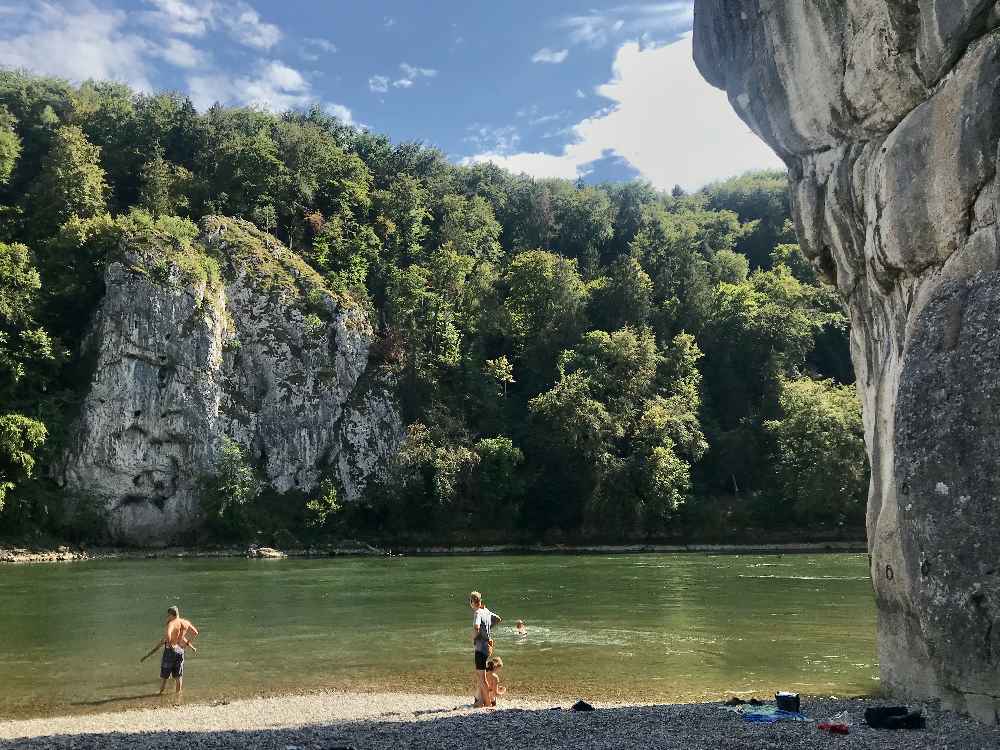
687	727
123	699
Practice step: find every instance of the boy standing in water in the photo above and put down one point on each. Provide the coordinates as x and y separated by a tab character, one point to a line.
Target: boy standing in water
176	637
482	624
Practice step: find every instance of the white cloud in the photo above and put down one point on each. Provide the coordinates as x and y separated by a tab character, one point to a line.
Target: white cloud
77	41
245	26
82	39
546	55
181	17
275	86
341	112
666	121
197	17
411	72
496	140
380	84
580	94
313	48
540	120
179	53
598	28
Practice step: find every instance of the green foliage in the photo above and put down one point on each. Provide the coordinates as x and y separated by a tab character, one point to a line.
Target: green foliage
469	226
164	187
229	493
624	297
791	257
498	485
71	181
501	370
20	437
544	307
24	346
324	507
10	146
820	453
729	267
401	219
656	336
430	473
761	200
622	424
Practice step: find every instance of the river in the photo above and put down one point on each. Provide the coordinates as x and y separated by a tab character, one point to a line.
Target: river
668	627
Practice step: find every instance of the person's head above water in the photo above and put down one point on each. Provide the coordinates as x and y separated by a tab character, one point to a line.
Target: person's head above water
475	600
173	613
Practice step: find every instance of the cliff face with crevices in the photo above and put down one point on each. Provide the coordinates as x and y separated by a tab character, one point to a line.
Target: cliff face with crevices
887	113
234	337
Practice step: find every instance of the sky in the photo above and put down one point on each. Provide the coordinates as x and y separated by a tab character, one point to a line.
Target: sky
554	88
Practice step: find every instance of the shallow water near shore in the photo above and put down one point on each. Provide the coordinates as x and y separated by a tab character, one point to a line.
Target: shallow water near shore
643	628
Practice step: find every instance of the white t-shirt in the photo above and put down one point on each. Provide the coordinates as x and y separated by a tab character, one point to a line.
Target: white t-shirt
484	619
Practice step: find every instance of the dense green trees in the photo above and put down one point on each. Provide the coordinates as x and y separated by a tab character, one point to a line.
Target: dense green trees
602	361
820	452
10	146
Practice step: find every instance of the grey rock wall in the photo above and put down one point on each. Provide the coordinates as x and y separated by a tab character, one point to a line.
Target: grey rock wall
265	356
887	113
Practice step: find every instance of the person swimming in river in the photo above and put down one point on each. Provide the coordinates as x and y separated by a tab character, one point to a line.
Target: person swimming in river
482	625
177	636
493	687
519	628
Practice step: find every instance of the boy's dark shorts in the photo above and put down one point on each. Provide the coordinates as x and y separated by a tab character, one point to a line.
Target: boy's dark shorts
481	660
172	664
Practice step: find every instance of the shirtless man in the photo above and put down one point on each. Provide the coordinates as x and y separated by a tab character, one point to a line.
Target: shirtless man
176	638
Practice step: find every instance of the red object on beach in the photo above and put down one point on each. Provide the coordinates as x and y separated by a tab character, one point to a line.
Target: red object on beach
833	728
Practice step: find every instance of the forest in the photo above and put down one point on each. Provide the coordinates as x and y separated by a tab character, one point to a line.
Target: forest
573	361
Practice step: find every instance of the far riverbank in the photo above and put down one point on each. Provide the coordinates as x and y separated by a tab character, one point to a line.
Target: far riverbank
26	554
376	721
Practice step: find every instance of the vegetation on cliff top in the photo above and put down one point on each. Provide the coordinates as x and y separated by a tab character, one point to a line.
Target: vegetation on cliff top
605	361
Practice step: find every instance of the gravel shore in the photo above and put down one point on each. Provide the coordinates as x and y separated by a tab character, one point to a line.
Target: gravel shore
332	721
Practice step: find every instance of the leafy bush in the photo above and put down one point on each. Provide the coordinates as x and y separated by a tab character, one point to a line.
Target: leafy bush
228	494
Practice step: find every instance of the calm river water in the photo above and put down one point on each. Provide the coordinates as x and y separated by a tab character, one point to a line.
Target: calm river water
629	627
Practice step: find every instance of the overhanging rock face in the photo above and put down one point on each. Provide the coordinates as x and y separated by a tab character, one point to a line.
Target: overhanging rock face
887	113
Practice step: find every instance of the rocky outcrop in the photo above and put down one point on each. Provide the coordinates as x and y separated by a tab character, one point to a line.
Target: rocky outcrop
232	335
887	113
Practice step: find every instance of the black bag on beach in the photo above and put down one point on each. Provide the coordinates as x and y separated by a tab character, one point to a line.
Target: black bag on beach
894	717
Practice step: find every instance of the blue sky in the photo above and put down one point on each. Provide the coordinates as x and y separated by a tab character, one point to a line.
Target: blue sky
605	90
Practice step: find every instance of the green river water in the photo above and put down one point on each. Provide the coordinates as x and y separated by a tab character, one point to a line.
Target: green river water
627	627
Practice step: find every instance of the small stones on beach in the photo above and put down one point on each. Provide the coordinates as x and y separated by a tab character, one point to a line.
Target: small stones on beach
355	721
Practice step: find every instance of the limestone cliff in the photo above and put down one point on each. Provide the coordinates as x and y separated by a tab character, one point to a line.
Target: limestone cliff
233	336
887	113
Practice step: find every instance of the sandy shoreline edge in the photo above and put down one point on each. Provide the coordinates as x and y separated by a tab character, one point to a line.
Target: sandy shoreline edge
368	721
13	554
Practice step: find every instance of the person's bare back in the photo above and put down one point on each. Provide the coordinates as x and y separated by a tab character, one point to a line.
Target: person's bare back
177	636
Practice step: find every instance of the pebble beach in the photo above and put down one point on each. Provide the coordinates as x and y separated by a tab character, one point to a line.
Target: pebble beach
384	721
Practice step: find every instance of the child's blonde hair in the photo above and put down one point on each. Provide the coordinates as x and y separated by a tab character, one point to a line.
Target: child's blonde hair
494	663
476	598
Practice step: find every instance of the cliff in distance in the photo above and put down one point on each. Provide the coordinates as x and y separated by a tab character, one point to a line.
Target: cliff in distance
887	114
232	335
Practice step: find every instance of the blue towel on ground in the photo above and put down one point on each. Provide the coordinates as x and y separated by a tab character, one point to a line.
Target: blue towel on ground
772	714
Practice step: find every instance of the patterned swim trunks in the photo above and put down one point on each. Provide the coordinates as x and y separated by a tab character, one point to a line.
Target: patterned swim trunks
172	664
